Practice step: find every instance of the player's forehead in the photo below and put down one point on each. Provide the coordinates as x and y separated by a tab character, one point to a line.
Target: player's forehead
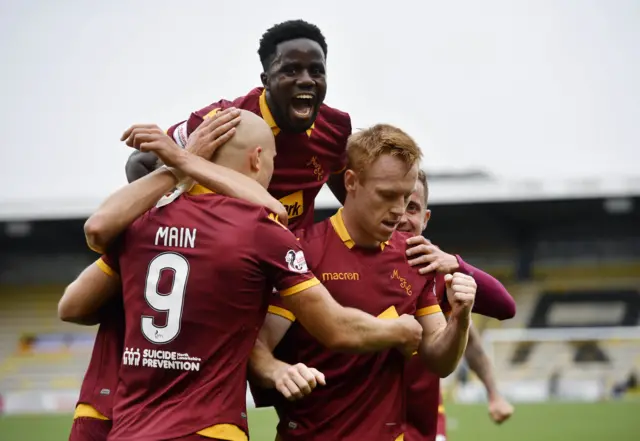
417	197
392	171
299	51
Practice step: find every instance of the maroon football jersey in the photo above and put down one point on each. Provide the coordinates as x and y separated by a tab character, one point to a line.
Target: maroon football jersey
101	379
197	276
304	161
364	395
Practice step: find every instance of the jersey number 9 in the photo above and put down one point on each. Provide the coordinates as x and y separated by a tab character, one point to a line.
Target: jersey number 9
170	303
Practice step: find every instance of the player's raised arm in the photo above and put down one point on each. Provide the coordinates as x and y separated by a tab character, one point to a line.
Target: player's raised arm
443	341
84	297
201	145
130	202
492	299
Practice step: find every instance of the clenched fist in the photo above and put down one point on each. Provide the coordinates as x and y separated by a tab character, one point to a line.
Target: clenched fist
461	293
412	334
296	381
500	409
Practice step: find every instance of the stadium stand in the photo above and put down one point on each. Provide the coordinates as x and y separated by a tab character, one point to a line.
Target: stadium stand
38	351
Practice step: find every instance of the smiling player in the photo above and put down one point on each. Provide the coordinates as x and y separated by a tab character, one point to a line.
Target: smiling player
362	260
310	136
310	141
426	420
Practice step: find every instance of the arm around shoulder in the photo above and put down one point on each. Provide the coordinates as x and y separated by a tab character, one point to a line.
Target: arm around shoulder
349	329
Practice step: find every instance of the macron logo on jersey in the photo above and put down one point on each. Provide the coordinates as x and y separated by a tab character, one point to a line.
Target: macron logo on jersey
296	261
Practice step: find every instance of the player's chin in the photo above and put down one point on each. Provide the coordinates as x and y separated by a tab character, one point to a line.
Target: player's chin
384	234
302	118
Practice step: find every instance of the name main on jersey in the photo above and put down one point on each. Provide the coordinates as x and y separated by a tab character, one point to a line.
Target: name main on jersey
176	237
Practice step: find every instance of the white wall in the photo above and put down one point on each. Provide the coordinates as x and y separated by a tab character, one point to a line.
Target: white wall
539	88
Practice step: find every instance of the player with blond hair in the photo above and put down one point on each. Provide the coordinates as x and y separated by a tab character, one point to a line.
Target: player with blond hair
361	258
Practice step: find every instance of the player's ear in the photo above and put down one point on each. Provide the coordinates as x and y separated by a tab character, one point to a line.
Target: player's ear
254	159
427	216
263	78
350	180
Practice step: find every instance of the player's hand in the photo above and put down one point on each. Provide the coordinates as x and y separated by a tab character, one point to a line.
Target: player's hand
500	410
461	293
213	133
151	138
421	251
411	333
297	381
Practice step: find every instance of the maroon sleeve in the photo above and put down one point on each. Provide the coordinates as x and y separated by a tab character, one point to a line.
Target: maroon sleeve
282	257
345	124
428	301
492	298
181	131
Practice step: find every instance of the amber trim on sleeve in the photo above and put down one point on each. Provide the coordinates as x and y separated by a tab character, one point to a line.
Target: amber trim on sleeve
428	310
284	313
299	287
105	268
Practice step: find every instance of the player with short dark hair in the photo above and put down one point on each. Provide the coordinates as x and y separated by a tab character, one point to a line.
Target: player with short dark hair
426	419
196	276
310	139
287	31
362	259
310	136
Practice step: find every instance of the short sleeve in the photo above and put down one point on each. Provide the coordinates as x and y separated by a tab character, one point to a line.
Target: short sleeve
282	257
341	163
276	307
181	131
428	300
108	265
109	262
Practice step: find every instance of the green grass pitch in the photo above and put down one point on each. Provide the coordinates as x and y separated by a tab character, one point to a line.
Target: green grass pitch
615	421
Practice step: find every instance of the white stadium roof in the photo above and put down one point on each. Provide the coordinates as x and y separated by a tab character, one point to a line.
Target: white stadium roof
458	189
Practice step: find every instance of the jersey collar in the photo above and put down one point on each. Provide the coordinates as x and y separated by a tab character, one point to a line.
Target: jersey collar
268	117
337	222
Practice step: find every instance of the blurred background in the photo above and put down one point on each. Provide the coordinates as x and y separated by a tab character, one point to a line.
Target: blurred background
527	113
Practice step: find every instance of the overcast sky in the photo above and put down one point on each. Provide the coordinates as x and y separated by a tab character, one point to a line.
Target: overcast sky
540	88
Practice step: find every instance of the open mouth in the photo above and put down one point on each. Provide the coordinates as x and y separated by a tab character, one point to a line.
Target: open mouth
390	225
302	105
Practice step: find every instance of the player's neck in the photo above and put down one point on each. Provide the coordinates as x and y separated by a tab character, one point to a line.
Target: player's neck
359	236
235	163
275	113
